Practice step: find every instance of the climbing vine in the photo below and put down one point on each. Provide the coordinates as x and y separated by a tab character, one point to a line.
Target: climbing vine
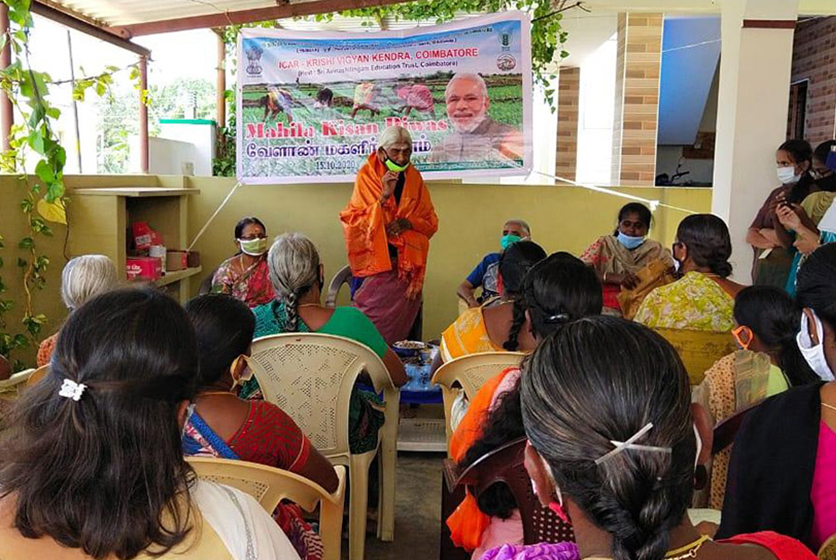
33	138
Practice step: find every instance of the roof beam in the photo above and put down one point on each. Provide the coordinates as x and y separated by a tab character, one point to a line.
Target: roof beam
222	19
83	24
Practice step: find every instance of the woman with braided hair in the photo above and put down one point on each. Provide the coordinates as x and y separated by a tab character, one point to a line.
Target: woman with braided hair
613	441
556	291
297	276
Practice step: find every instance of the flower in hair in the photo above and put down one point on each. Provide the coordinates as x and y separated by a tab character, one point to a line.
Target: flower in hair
72	390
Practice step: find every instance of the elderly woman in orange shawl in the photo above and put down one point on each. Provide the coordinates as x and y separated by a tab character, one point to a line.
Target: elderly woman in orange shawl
387	226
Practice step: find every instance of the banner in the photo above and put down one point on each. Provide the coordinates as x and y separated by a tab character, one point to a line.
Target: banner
311	105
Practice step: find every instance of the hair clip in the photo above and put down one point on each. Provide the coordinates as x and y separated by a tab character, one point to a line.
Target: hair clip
72	390
558	318
631	444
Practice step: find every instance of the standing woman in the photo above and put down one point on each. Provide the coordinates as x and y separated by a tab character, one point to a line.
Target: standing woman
387	225
245	276
618	257
772	261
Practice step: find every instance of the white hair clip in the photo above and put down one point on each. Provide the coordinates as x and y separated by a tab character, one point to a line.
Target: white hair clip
631	444
72	390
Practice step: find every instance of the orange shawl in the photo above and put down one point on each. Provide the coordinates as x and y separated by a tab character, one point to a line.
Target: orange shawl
468	522
365	219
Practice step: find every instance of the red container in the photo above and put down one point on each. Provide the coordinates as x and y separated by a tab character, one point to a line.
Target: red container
144	268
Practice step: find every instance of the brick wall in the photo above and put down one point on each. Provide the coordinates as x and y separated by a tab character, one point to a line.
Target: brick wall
637	98
568	89
814	59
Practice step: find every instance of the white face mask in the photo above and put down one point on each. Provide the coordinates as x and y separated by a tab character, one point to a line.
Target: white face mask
699	446
787	175
814	355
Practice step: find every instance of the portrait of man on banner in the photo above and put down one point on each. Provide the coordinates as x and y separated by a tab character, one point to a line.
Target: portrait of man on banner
475	136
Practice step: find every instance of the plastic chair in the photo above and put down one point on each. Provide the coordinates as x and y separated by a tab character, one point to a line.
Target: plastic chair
698	350
828	549
506	465
467	374
12	387
342	276
310	376
269	486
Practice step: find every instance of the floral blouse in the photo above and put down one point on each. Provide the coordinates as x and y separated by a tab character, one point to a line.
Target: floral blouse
694	302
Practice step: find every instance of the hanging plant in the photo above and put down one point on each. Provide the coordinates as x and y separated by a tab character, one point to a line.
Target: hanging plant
44	198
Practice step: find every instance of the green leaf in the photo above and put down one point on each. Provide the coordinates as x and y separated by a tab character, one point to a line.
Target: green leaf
44	171
26	243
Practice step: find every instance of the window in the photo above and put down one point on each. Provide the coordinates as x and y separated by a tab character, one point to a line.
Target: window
797	122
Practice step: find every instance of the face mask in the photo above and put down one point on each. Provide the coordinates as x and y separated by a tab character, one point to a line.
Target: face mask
743	335
254	247
814	355
245	376
508	240
629	241
394	166
787	175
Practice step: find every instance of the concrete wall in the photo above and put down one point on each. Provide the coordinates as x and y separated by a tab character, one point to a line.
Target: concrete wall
470	218
562	218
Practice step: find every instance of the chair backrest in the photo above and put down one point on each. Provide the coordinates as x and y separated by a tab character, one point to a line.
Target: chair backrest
725	431
11	387
310	376
828	549
468	374
269	486
505	465
698	350
342	276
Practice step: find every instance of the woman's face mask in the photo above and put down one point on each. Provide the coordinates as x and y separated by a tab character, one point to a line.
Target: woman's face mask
743	335
787	175
254	247
629	241
813	352
246	374
508	240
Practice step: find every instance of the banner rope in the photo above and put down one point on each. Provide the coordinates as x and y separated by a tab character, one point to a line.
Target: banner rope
212	217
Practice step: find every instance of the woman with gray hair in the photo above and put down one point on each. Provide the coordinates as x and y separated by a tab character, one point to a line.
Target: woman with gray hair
297	275
387	225
83	278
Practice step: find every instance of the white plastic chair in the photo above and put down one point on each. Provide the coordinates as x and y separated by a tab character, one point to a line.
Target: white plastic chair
269	486
310	376
342	276
14	385
467	374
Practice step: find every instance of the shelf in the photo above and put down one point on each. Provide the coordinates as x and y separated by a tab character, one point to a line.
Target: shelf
136	192
178	275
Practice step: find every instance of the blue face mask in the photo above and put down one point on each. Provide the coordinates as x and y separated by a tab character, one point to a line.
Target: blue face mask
629	241
508	240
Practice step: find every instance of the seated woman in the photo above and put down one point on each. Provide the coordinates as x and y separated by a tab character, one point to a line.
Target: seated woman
703	298
82	279
769	363
618	257
245	276
556	291
613	444
782	475
94	467
298	276
490	329
772	259
223	425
